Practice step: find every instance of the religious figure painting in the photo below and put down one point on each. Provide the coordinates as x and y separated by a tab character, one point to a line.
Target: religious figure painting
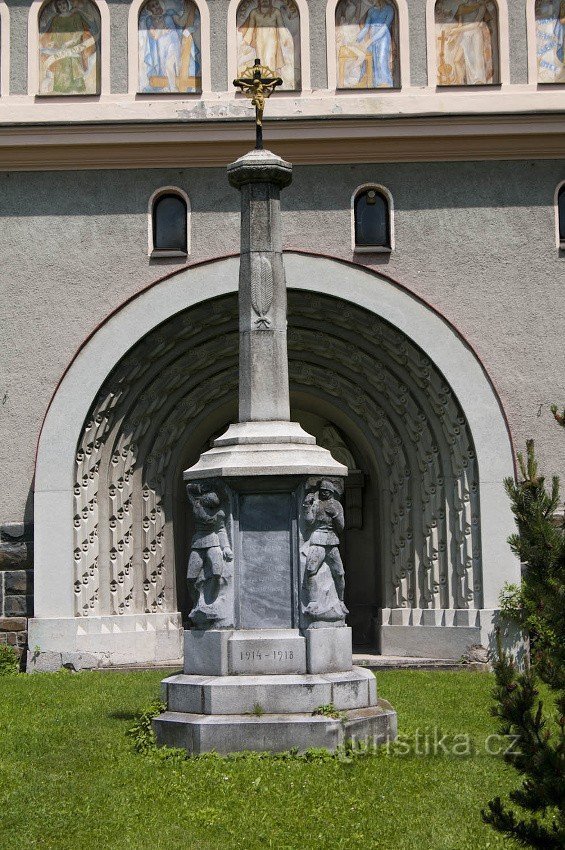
269	30
550	40
69	48
169	47
467	43
367	44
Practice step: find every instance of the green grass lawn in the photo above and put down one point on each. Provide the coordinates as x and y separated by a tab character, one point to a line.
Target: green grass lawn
69	777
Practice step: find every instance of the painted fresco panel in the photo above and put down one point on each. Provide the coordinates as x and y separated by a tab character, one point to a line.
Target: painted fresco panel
69	48
550	40
467	43
170	58
367	44
269	30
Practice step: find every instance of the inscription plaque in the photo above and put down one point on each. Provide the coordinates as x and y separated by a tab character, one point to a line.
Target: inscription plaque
265	573
270	651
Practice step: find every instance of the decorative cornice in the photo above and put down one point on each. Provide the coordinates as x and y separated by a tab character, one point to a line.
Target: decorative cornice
316	141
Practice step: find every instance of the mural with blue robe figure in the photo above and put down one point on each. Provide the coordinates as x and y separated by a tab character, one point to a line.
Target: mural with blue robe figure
169	47
367	44
550	40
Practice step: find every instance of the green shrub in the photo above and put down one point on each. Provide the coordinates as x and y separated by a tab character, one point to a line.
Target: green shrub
9	660
538	606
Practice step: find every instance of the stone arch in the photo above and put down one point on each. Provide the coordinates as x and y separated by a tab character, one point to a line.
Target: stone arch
393	375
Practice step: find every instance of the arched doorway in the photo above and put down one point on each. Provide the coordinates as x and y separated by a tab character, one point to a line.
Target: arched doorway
418	567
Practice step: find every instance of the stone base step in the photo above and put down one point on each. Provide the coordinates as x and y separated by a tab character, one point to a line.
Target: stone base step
285	694
201	733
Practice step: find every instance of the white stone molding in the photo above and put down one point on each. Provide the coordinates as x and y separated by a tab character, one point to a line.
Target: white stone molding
4	49
167	190
305	86
503	48
133	50
108	446
403	45
531	41
362	249
560	243
33	51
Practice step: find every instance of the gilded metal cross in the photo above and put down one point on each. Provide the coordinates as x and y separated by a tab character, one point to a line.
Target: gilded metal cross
258	82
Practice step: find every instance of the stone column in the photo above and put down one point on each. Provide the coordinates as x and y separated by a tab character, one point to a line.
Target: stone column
263	361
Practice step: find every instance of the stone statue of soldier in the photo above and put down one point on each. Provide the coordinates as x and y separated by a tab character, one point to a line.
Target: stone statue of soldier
209	564
323	517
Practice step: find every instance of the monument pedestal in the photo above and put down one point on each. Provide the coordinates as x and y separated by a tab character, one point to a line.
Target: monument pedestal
247	689
228	733
258	652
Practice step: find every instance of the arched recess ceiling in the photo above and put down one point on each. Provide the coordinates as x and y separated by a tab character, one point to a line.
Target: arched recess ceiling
177	374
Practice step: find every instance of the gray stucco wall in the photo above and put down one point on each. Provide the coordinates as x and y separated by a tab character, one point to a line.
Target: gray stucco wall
218	22
475	240
19	13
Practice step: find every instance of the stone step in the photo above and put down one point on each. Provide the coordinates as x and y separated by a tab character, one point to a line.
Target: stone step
286	694
199	733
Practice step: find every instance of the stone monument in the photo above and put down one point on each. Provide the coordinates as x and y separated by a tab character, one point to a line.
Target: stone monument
268	646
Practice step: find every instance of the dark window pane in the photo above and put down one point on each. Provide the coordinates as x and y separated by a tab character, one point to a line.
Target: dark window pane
561	205
169	223
371	220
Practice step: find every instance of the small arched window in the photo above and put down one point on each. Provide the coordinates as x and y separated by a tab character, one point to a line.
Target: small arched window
169	224
372	220
561	215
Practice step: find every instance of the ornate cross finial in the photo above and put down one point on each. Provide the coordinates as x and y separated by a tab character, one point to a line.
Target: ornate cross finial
258	82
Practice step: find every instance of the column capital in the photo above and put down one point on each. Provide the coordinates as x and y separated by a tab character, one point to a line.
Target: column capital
260	166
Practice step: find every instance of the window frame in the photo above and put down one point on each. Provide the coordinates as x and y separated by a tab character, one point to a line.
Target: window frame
156	253
559	192
387	195
4	49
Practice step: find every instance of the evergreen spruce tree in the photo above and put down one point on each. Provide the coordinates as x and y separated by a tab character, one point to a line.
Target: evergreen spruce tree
538	607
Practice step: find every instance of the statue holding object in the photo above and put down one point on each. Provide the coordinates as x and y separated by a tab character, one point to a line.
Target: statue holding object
210	561
324	576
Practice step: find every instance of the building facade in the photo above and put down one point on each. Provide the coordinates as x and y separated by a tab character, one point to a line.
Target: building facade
425	267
